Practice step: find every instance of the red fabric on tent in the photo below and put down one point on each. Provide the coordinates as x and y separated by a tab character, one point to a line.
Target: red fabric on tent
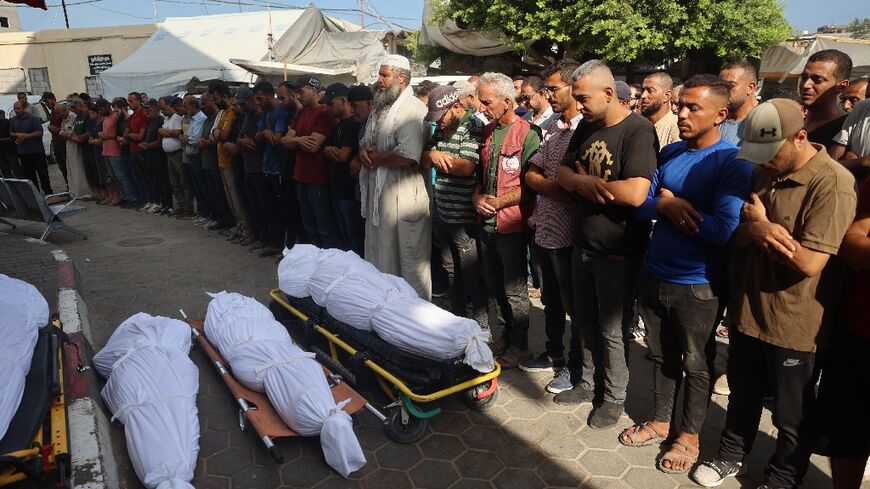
31	3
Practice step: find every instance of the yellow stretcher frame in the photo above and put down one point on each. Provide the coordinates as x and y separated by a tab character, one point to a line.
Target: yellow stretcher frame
334	340
59	436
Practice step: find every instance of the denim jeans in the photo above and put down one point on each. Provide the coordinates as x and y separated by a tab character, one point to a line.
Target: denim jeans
317	215
557	295
506	271
680	323
465	274
603	286
122	173
200	186
136	182
350	224
756	368
179	181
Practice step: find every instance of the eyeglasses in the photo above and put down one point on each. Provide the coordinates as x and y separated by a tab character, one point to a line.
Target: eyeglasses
554	89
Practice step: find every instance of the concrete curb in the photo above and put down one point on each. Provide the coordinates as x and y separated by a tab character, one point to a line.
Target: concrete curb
93	462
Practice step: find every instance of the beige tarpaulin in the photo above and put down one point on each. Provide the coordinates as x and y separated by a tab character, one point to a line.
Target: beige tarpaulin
452	37
787	59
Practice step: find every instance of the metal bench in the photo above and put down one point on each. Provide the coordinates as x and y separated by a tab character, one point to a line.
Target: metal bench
7	206
31	205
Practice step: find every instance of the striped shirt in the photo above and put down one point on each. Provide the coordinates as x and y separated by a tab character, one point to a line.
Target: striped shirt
553	220
453	193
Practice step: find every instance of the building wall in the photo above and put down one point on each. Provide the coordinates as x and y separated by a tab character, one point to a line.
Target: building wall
9	12
64	52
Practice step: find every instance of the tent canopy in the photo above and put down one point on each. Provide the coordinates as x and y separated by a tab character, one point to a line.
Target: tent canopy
787	59
458	40
321	46
187	47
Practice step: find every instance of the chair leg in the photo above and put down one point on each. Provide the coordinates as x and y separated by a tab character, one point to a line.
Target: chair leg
4	221
71	229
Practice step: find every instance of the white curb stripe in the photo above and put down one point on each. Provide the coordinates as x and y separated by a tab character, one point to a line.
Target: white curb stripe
67	309
90	448
59	255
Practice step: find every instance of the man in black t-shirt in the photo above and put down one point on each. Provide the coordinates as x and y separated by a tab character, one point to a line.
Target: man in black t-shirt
9	167
156	158
609	164
823	79
339	149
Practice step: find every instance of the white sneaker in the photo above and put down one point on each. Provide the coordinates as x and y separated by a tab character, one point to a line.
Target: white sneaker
154	208
721	386
199	221
714	472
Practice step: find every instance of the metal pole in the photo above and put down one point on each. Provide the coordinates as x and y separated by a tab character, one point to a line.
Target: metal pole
362	14
154	6
65	16
240	6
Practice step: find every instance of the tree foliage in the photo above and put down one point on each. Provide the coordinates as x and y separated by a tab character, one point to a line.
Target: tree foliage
860	28
626	32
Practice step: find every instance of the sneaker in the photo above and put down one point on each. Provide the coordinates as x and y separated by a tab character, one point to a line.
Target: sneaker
721	386
230	231
714	472
208	224
605	415
574	396
637	332
154	209
218	226
166	211
268	251
144	207
199	220
561	382
541	363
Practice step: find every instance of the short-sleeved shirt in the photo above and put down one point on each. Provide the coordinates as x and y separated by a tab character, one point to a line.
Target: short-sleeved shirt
854	307
345	135
274	120
452	192
826	133
6	148
770	300
225	121
311	167
27	124
253	160
110	131
732	131
56	120
209	153
170	144
855	133
627	149
553	220
155	154
135	123
530	146
667	131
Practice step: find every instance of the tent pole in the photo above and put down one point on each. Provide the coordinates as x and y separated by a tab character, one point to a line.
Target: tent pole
285	69
65	16
362	15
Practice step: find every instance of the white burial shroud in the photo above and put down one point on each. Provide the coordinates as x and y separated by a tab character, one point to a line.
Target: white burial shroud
23	311
264	358
152	391
355	293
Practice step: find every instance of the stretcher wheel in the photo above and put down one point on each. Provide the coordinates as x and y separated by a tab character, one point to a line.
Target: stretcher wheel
473	399
243	421
408	432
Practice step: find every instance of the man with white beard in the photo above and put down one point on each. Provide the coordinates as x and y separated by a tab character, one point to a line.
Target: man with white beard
395	199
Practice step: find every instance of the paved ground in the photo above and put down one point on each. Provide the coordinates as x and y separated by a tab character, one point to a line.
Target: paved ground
134	262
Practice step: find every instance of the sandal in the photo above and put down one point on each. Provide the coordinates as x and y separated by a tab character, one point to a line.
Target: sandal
627	437
678	451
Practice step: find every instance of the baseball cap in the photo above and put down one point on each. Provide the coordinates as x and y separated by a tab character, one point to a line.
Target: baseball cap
334	90
243	94
101	103
359	93
441	98
623	91
464	87
150	103
308	80
767	127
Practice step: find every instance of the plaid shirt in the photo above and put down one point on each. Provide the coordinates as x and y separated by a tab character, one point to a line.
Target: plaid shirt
553	220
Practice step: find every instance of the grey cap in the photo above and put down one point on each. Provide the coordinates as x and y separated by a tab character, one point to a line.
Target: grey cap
623	91
243	94
441	98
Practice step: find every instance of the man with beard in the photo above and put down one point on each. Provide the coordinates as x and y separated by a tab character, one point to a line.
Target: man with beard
395	200
695	199
533	95
25	130
655	105
221	217
504	204
783	292
824	77
854	93
453	153
219	91
270	129
742	78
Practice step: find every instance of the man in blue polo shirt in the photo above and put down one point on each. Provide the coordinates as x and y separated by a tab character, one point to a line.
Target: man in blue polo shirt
695	197
25	130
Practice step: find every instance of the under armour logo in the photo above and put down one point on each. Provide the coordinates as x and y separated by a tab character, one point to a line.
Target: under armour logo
764	132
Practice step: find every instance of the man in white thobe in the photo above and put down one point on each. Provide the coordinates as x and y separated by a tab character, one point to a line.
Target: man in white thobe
395	197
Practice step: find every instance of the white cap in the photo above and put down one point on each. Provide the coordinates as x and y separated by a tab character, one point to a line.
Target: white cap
396	61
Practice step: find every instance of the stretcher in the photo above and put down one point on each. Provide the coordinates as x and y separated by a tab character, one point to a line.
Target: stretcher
407	379
255	408
36	445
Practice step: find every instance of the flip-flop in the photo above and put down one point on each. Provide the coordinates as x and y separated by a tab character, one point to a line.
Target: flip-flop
678	451
627	435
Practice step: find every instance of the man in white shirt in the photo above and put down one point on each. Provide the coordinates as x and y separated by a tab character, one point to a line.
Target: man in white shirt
172	146
534	96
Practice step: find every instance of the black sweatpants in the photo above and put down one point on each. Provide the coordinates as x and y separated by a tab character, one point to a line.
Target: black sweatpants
756	368
218	196
35	169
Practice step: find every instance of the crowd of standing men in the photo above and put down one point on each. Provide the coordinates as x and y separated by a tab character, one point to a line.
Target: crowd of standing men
674	200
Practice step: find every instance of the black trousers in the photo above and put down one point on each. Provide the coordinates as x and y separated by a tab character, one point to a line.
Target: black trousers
218	196
756	368
35	169
266	191
9	166
557	295
256	219
505	269
158	167
60	159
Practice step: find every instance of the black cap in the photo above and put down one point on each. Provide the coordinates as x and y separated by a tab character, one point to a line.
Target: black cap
359	93
334	90
308	80
150	103
243	94
101	103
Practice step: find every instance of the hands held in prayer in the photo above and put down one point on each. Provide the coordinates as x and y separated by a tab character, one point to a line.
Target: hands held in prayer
772	238
679	211
484	205
441	161
366	157
753	210
591	188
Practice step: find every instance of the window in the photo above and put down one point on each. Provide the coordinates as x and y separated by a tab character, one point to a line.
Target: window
38	80
4	22
93	86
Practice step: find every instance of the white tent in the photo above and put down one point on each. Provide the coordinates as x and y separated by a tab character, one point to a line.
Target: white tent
322	46
787	59
201	47
452	37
